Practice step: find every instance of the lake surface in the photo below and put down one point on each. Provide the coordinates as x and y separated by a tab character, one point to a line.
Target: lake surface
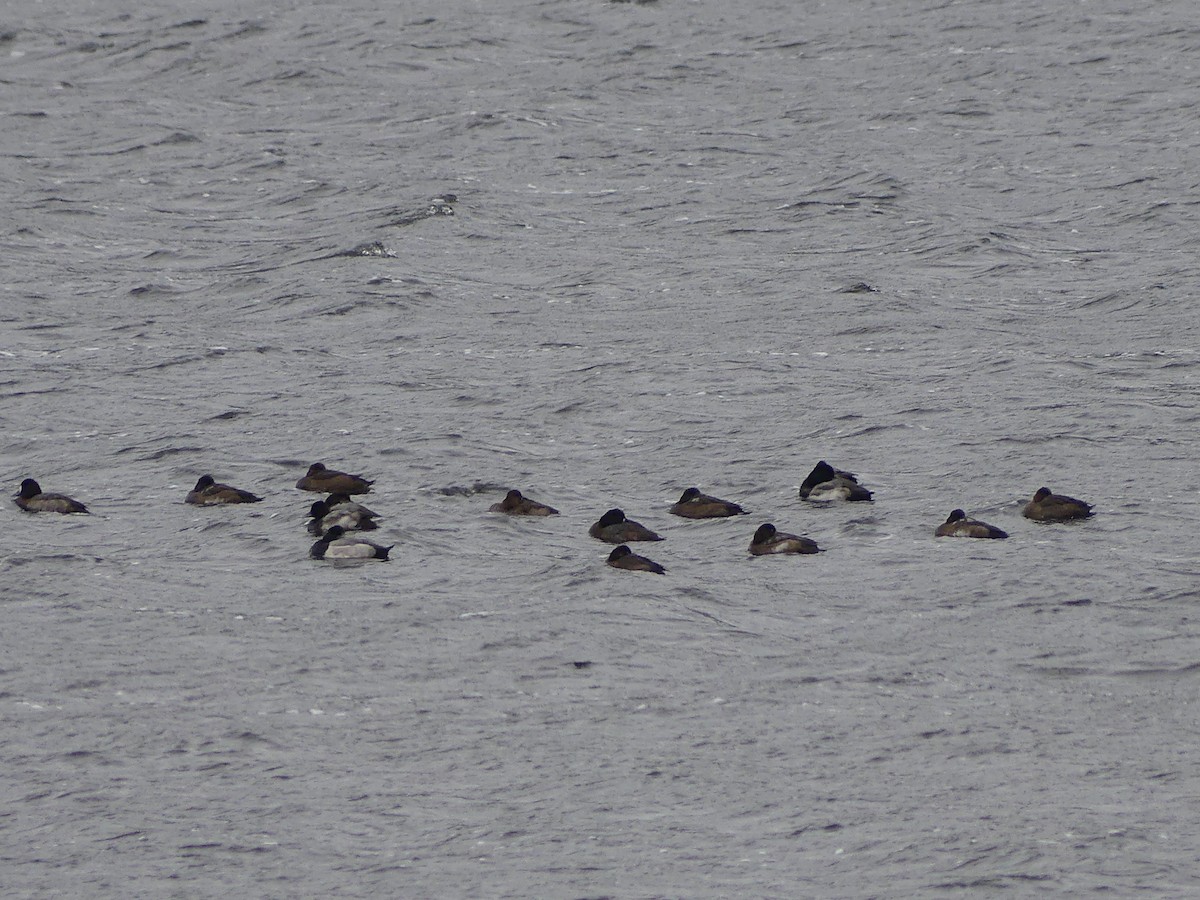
600	252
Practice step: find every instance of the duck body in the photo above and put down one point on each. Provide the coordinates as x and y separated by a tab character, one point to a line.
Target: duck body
1050	507
695	505
515	504
825	484
959	524
334	501
32	498
350	519
331	481
335	545
768	540
614	528
624	558
208	492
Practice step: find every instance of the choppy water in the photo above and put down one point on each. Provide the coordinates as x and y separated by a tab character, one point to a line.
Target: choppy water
951	247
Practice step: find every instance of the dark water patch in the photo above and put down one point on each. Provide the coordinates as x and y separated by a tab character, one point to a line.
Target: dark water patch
175	138
1125	300
154	291
992	882
14	561
164	453
122	836
1161	671
249	29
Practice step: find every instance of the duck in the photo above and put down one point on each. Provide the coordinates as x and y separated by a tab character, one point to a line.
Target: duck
695	505
323	518
825	483
614	528
958	524
768	540
624	558
208	492
335	545
1049	507
328	481
342	499
515	504
31	499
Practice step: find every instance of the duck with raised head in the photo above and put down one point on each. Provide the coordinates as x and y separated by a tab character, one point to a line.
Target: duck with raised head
322	518
515	504
31	498
331	481
959	524
767	539
695	505
614	528
208	492
825	483
624	558
335	545
1050	507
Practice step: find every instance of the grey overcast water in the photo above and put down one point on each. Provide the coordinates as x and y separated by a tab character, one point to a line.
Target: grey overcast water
600	252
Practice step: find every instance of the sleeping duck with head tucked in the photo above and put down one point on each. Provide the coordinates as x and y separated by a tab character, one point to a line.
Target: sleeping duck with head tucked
1047	506
959	524
769	540
825	483
695	505
516	504
208	492
614	528
331	481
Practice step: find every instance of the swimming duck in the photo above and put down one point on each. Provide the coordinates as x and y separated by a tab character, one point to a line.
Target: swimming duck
210	493
324	518
959	525
335	545
335	500
516	505
768	540
695	505
624	558
614	528
329	481
1048	507
826	483
31	499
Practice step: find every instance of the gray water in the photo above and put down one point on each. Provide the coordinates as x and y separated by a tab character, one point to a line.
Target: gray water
949	246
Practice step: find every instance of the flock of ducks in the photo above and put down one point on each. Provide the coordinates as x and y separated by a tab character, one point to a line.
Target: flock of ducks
337	521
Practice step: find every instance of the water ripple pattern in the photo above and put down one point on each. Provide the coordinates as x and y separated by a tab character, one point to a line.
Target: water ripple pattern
601	252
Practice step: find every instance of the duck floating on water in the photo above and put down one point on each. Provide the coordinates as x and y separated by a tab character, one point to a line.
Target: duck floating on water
624	558
695	505
959	524
614	528
31	498
208	492
331	481
825	483
515	504
335	545
1050	507
767	539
